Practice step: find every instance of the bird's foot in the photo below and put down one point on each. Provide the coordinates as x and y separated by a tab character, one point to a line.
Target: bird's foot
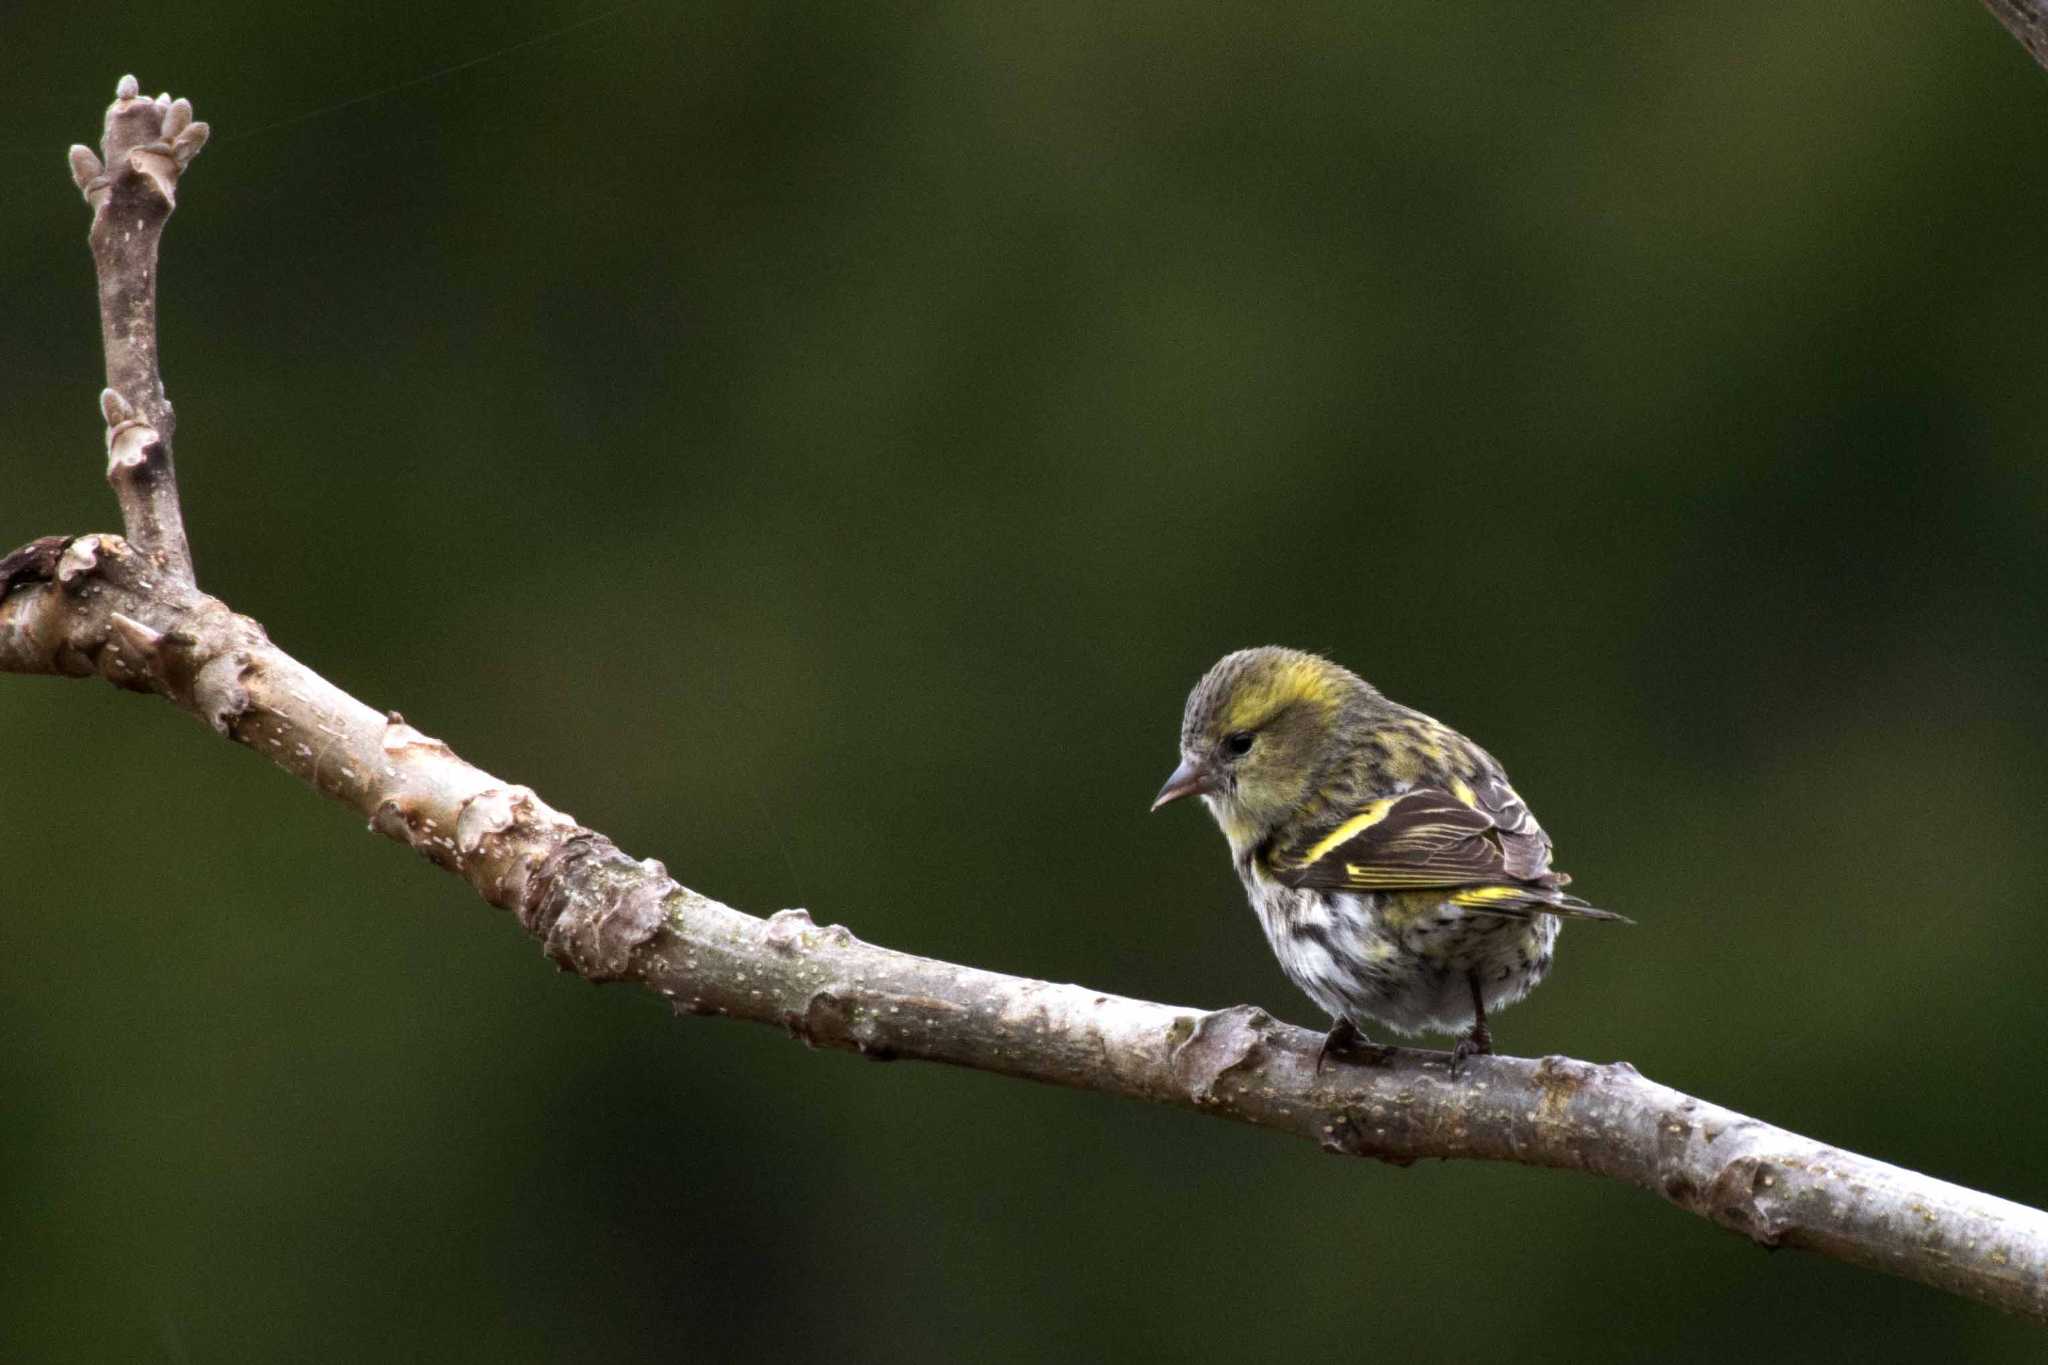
1477	1043
1346	1042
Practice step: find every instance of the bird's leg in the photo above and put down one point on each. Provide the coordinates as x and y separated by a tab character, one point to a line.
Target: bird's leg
1347	1042
1480	1040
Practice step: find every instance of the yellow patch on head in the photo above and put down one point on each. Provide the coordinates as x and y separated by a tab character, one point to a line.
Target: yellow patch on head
1265	693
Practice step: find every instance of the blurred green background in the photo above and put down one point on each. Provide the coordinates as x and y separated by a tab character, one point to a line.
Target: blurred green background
820	445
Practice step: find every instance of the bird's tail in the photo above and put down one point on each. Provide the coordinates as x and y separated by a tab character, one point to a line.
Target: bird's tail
1525	899
1571	907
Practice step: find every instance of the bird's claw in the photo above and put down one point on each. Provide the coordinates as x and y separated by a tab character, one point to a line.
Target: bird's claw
1477	1043
1346	1042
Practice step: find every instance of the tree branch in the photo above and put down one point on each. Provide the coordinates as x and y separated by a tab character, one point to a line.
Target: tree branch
115	607
146	146
2026	20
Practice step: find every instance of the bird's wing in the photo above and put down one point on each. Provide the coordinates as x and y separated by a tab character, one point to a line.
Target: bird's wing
1423	838
1488	852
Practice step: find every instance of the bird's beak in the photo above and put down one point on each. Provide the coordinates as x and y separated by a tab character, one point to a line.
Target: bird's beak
1187	780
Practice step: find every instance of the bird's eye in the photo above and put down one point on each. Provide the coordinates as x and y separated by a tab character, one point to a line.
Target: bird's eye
1237	743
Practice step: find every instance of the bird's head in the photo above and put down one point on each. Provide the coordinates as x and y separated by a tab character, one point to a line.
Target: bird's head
1260	729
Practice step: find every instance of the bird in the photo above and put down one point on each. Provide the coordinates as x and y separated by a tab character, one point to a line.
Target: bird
1398	876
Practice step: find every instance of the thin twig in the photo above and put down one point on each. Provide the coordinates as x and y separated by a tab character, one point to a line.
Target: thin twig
82	605
132	187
